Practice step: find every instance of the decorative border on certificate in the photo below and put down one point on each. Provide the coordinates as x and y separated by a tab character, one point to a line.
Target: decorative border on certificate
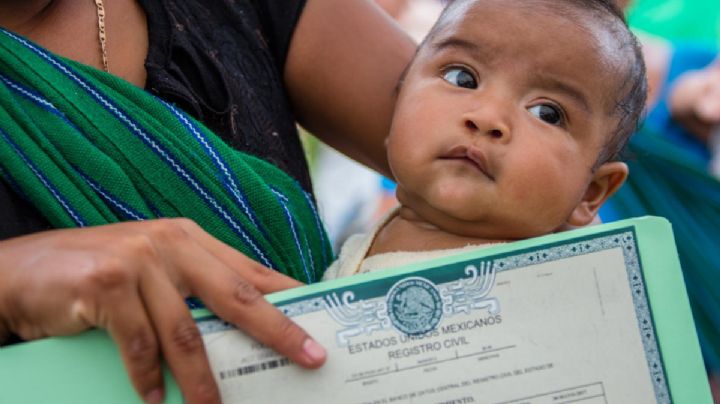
461	287
624	239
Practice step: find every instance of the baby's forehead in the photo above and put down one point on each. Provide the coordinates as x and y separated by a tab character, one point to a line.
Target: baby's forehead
558	40
599	32
586	17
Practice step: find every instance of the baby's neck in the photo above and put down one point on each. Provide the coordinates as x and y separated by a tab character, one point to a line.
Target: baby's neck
407	231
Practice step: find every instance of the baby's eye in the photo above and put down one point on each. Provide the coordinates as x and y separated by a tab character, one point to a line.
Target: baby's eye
460	77
548	113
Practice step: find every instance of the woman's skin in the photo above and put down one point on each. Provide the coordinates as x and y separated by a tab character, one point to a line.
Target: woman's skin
131	278
70	28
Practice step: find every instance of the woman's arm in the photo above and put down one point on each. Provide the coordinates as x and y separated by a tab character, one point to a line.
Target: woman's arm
343	67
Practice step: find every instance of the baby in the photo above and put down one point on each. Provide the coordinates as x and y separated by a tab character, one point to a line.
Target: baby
508	125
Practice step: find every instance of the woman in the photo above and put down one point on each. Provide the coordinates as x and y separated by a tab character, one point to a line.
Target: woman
247	70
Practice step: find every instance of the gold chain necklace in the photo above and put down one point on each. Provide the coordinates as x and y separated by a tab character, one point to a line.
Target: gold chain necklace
101	33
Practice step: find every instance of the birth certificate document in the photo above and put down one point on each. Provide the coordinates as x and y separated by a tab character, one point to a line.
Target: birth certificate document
556	322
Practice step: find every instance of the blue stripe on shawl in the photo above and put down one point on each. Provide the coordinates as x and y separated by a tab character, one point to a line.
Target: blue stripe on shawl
227	178
123	209
283	202
32	96
66	206
321	230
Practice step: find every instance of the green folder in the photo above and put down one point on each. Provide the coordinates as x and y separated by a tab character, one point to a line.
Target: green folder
87	368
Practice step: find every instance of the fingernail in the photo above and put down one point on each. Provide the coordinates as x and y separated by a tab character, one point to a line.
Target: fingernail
313	350
154	397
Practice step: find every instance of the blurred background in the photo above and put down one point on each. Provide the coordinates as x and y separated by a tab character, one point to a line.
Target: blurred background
677	20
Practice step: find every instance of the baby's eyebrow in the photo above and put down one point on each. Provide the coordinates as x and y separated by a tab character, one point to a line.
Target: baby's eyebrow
553	84
475	49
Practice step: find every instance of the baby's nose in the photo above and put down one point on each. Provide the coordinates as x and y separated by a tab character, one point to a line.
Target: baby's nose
495	130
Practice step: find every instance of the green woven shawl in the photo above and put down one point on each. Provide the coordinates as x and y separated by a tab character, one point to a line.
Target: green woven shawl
87	148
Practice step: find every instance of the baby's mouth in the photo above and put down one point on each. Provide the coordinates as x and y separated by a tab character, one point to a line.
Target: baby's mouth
472	155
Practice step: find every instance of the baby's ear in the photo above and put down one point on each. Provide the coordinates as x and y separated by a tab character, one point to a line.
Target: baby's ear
606	180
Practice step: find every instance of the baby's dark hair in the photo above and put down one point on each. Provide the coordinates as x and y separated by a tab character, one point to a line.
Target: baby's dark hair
629	104
632	96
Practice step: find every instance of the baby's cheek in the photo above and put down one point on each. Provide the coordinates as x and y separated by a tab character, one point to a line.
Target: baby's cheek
539	195
525	188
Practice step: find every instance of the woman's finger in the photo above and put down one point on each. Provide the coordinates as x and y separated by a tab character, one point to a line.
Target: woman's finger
180	340
130	327
234	299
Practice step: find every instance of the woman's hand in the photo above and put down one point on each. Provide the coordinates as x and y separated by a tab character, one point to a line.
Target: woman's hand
131	279
695	100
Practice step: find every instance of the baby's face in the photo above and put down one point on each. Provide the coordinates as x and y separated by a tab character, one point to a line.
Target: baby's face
501	118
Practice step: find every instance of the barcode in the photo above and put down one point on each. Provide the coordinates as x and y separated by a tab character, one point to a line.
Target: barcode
259	367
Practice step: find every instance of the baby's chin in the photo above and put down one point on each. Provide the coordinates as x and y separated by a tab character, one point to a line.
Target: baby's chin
472	224
497	231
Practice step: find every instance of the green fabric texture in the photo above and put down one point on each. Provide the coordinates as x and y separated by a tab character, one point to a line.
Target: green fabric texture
668	181
87	148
